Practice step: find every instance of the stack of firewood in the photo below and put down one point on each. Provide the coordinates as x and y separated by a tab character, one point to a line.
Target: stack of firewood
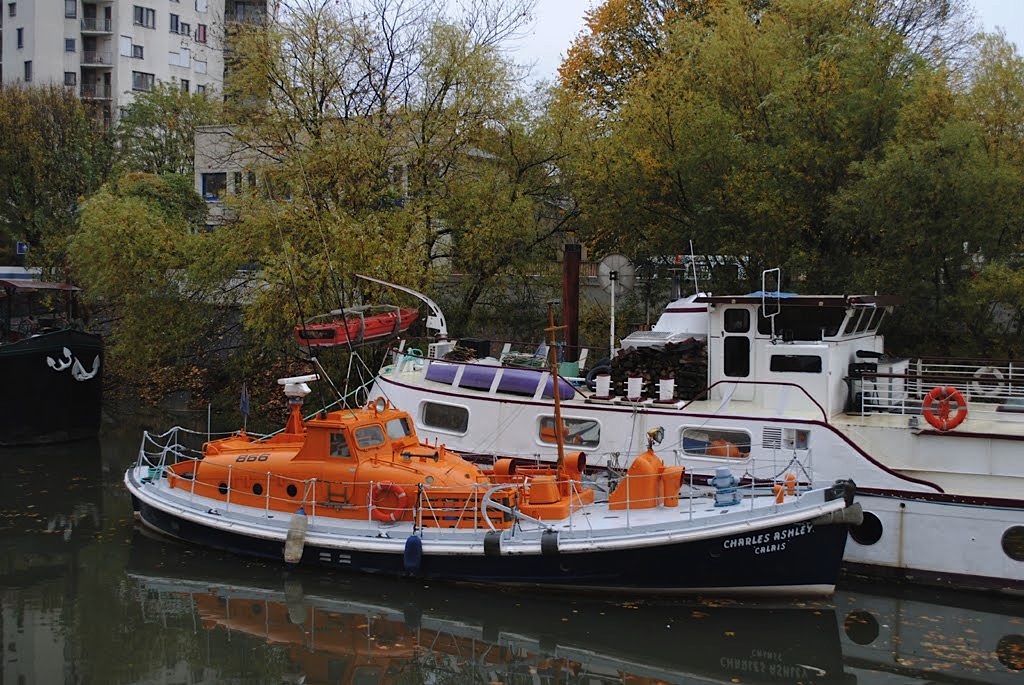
461	354
686	362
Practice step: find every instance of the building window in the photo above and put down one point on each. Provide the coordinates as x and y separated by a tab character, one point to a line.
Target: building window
28	71
179	59
125	46
137	51
200	89
200	5
214	185
185	29
144	16
200	67
185	85
12	9
70	9
200	33
21	38
142	80
70	78
69	45
175	21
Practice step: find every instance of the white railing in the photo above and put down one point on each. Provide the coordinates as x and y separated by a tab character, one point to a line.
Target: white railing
994	390
435	508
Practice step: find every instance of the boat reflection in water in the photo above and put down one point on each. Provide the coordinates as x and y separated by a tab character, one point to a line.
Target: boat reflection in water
343	629
50	510
925	635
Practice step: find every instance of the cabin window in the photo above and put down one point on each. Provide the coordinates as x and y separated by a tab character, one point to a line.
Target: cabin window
737	356
716	442
876	319
445	416
736	320
865	320
369	436
796	363
399	428
803	323
851	323
339	448
576	432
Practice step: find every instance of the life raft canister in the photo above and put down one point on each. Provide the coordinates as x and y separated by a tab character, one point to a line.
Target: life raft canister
387	514
939	417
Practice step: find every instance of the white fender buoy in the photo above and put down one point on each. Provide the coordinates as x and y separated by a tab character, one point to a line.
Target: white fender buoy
295	540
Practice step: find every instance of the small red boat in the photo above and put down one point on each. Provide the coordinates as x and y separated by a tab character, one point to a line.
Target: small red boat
355	325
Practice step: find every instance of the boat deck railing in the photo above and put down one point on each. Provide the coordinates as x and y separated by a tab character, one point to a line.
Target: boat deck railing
990	390
497	504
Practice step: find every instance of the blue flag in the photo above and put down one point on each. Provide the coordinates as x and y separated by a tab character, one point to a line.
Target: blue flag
244	403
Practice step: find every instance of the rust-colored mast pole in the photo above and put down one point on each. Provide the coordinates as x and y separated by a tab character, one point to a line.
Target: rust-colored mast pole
553	348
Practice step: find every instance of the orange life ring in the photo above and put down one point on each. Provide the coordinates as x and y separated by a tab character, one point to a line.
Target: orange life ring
387	514
939	417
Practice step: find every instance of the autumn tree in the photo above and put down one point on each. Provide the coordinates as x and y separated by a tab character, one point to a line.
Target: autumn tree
156	132
817	137
383	122
52	152
166	288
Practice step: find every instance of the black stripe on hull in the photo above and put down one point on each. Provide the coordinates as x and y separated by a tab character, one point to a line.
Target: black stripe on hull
808	560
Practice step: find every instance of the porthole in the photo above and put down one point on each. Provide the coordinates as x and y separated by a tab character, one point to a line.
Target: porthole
223	488
1010	652
1013	543
257	489
291	490
869	531
861	627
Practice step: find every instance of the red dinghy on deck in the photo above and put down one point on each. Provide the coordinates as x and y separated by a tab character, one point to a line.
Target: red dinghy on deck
355	325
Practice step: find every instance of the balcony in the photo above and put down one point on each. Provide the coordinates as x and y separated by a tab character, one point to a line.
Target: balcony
97	58
96	25
95	91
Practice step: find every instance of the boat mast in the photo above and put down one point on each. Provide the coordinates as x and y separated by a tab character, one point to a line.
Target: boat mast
552	329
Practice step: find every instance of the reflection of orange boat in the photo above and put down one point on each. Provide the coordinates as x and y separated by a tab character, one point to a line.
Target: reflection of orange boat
334	629
355	325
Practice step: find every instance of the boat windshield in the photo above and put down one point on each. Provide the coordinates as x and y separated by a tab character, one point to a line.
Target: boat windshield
399	428
369	436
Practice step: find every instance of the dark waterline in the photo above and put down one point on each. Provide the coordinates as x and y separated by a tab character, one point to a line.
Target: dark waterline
89	599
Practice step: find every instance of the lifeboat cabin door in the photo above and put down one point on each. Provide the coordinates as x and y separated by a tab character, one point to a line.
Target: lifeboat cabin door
734	360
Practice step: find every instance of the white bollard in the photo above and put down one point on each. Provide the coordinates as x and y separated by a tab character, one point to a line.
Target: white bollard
634	388
666	389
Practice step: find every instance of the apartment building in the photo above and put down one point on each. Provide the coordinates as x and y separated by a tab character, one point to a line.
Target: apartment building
109	50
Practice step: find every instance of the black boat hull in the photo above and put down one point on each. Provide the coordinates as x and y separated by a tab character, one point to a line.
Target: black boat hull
53	388
782	563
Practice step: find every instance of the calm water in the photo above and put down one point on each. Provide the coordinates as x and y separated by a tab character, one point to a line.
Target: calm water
89	599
